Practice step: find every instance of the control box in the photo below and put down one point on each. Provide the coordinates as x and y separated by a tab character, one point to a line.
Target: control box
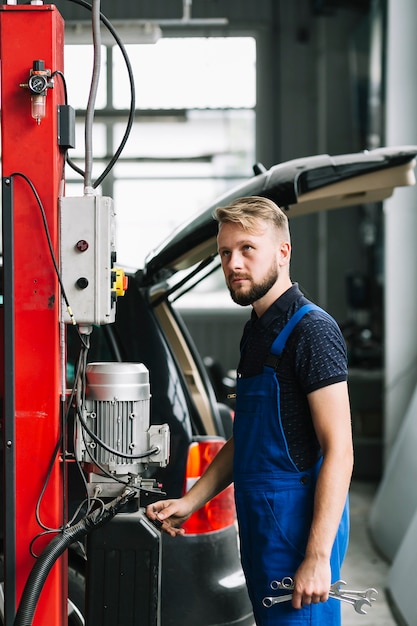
88	254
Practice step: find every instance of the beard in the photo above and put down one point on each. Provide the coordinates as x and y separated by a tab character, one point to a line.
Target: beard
256	291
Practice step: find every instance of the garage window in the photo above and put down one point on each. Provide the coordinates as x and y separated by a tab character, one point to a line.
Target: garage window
193	136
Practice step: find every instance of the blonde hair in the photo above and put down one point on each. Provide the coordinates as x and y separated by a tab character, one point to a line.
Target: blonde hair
248	210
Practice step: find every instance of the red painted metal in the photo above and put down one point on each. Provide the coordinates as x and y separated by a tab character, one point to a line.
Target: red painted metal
28	33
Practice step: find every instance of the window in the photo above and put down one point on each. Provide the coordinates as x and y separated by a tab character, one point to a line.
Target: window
192	139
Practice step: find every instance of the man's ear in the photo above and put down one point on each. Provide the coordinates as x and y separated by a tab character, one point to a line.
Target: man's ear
284	253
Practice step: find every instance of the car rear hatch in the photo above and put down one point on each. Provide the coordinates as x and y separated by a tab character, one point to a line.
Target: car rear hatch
301	186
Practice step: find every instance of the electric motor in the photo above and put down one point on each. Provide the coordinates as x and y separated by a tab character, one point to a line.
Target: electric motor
114	432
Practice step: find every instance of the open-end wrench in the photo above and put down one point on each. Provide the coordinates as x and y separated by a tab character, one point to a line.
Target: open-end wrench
357	603
370	593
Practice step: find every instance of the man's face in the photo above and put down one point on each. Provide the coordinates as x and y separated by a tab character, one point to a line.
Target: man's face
249	260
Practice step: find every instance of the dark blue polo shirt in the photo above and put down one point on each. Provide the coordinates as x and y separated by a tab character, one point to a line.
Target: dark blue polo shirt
314	357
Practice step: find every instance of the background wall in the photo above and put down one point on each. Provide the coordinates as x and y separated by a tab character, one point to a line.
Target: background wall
400	223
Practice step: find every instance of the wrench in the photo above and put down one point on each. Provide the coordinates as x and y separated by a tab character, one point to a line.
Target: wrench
370	593
358	599
357	603
286	583
269	601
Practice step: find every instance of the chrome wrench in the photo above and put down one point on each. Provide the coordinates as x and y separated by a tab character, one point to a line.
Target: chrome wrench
358	599
357	603
271	600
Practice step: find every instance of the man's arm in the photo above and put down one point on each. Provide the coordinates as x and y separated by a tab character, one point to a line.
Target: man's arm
330	411
173	513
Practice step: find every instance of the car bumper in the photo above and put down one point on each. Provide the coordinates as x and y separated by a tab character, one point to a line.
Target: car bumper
202	581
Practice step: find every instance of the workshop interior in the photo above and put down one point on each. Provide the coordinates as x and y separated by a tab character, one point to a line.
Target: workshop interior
123	126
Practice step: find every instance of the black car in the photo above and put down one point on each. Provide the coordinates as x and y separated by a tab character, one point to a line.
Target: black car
201	577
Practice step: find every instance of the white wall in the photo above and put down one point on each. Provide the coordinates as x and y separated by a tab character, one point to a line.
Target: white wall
400	221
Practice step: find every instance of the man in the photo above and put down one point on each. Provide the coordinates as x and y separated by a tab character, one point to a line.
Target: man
291	455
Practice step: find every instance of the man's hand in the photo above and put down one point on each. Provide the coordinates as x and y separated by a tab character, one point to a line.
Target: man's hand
311	583
171	514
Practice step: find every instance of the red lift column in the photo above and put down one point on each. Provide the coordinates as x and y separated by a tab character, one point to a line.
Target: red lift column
32	362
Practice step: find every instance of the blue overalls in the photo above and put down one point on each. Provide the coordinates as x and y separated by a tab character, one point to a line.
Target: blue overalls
274	500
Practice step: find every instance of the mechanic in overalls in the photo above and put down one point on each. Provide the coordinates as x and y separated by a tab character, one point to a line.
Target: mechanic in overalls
291	455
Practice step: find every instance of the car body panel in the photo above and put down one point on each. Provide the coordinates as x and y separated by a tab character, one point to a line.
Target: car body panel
204	601
301	186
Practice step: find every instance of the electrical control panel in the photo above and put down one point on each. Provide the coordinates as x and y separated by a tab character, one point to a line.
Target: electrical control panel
88	254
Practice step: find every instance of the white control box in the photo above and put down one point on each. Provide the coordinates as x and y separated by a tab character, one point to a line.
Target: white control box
88	254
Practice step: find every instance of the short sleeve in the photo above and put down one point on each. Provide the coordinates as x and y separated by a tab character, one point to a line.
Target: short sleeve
319	351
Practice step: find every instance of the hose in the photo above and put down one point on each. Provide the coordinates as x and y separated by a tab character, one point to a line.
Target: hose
92	98
44	564
119	150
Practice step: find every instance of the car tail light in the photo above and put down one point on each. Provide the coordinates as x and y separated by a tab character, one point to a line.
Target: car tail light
219	512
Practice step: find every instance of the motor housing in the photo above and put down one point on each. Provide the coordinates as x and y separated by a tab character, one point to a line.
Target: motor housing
115	433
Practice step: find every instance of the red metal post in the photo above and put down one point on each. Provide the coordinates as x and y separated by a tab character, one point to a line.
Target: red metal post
29	33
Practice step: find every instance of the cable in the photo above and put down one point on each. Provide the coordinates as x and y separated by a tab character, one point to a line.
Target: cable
80	383
127	483
51	249
131	117
48	237
64	84
89	116
67	158
53	458
101	443
87	501
58	545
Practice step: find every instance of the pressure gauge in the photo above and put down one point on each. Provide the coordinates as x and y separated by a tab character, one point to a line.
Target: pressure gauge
38	83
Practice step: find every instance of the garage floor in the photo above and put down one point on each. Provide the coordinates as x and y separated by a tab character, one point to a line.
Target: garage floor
363	566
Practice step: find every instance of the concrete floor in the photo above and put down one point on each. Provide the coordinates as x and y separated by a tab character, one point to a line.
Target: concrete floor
363	566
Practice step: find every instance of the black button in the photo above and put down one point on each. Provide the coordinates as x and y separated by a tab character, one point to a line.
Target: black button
304	480
82	282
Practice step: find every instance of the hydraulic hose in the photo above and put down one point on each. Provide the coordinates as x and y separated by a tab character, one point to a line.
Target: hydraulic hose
43	565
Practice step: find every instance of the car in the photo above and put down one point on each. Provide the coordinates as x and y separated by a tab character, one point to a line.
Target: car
201	577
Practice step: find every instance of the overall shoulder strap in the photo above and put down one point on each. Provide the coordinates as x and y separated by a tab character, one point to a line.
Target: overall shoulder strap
281	339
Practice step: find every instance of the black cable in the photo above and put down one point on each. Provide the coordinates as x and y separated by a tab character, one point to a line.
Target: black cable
131	117
51	249
101	443
81	385
64	83
48	237
53	458
89	501
74	167
58	545
127	483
